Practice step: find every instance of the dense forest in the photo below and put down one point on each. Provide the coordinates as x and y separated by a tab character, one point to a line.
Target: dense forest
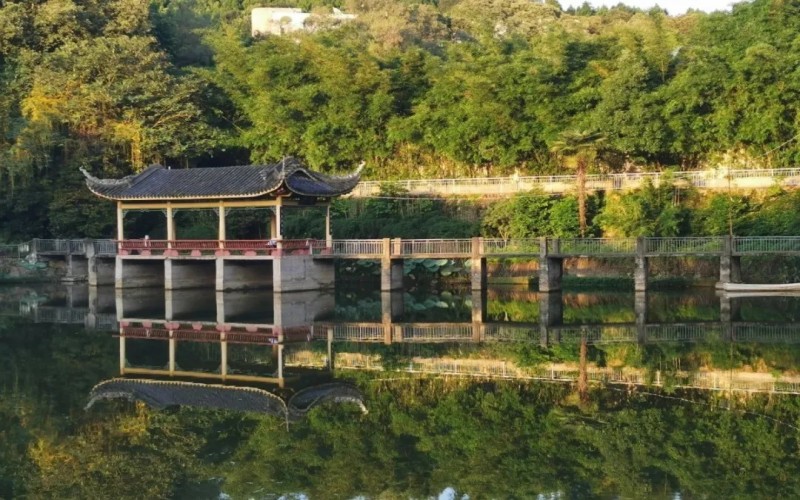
416	89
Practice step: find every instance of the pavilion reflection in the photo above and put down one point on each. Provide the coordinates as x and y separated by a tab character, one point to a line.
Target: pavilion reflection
162	394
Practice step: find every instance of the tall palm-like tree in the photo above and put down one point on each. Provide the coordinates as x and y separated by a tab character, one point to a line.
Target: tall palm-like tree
578	150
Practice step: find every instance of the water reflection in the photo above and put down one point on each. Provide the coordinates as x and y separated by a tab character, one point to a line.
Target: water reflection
683	388
255	336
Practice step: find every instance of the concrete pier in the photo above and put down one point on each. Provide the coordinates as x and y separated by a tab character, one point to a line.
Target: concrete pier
101	271
297	273
478	276
391	269
77	268
730	266
551	268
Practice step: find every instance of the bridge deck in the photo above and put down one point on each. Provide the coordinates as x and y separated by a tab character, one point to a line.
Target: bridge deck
710	246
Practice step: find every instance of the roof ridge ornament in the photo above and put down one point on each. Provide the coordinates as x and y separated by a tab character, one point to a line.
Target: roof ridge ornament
106	182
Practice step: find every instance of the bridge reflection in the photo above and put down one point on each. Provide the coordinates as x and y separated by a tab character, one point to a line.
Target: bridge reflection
272	338
264	317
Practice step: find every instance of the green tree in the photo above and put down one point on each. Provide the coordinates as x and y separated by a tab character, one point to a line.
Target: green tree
578	150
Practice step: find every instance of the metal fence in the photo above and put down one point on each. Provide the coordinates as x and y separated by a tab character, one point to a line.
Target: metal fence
743	245
528	246
591	246
713	245
358	247
435	247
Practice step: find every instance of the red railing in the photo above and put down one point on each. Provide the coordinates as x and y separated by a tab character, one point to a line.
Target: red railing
268	336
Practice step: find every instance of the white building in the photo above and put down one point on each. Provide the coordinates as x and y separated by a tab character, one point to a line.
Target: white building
281	20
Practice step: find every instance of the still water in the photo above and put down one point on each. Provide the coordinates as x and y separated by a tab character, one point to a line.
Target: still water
432	394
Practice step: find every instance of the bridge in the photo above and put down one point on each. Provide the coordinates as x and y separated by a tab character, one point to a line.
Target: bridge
96	258
716	179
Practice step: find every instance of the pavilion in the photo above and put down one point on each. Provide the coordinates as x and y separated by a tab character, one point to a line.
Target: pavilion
274	187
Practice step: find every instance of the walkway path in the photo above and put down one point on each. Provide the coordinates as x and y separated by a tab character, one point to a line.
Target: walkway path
721	179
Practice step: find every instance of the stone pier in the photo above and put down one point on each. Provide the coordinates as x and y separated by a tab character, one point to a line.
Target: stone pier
77	268
297	273
391	269
551	268
477	270
730	266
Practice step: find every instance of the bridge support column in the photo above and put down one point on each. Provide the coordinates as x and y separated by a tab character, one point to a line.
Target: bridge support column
297	273
477	265
730	266
101	271
551	269
77	268
391	269
641	272
640	309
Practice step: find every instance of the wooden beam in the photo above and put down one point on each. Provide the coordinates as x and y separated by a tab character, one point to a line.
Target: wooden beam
162	205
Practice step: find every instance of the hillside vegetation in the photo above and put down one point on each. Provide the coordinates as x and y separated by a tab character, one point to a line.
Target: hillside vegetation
416	89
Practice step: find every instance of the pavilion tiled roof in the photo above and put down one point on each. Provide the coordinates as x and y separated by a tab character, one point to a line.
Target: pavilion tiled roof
288	177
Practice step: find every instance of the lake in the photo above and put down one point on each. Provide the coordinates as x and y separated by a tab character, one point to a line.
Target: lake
437	393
